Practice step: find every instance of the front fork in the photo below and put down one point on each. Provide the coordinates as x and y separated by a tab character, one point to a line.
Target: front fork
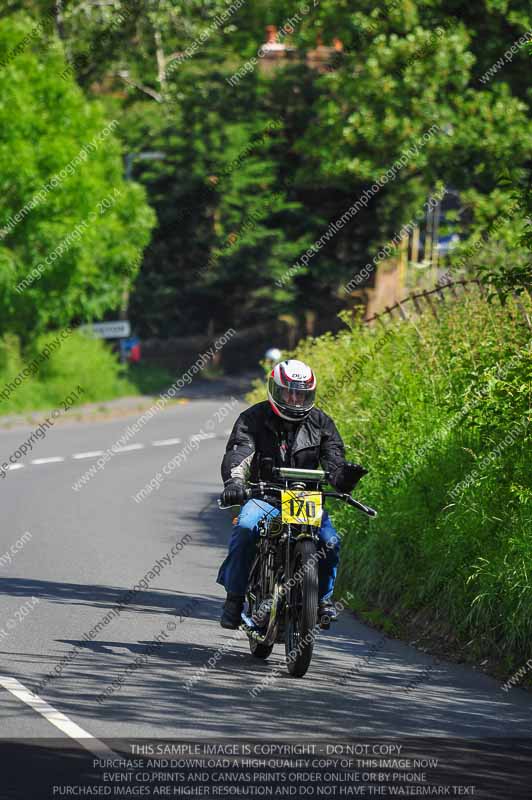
306	532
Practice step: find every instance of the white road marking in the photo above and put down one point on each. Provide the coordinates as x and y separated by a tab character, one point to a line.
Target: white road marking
198	437
127	449
92	454
86	740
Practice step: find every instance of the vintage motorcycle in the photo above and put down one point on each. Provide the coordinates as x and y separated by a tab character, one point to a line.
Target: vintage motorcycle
282	592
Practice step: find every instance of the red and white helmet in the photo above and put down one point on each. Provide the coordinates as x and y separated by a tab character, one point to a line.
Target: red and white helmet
292	390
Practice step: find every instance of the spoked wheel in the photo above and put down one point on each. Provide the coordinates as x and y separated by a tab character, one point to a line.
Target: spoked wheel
302	615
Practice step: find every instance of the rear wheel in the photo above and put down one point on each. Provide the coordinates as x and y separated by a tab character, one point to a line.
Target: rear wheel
302	613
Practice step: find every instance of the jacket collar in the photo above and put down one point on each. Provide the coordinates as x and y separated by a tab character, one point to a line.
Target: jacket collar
307	434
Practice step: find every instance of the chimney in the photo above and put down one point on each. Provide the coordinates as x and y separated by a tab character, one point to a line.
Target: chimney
271	34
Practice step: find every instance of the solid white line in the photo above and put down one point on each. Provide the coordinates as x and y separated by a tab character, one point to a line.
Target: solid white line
87	740
16	466
92	454
54	460
128	448
165	442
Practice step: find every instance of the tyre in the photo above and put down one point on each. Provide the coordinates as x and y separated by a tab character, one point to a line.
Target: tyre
302	614
260	650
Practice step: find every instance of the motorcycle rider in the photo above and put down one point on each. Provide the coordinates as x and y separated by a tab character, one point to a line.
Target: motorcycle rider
289	429
272	356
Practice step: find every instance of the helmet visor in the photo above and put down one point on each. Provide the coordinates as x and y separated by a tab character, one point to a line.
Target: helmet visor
293	396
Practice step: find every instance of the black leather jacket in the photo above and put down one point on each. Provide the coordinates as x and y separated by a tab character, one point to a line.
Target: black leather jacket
257	433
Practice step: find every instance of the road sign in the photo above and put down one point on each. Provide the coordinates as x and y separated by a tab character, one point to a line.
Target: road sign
119	329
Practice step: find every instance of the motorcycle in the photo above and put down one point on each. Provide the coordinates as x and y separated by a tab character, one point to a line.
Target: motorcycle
282	592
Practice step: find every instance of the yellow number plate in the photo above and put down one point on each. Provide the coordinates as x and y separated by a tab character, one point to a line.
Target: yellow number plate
302	508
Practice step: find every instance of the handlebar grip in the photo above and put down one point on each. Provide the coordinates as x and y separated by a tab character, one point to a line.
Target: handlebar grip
220	504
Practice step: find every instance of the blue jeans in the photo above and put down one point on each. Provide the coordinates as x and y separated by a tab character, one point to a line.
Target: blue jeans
234	572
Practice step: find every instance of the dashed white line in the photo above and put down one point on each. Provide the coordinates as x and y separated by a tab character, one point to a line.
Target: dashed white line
91	454
198	437
127	449
55	717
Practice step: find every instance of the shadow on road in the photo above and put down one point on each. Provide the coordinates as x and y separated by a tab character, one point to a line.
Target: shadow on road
148	601
201	682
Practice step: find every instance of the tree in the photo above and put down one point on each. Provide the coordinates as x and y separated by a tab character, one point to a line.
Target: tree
406	67
72	228
408	82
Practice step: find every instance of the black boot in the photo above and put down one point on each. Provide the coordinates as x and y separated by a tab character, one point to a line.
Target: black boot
232	609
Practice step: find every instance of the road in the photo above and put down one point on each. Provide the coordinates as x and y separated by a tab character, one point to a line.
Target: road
88	548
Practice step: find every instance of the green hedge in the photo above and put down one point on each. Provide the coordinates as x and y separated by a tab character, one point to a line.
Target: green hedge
422	405
54	365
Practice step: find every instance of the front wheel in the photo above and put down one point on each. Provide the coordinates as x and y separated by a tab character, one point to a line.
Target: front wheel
302	612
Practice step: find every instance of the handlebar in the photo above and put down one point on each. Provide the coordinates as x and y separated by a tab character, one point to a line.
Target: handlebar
260	489
371	512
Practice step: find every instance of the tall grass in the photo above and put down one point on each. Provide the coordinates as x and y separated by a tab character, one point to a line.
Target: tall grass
422	408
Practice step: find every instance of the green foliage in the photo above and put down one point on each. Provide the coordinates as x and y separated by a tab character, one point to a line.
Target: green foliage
392	90
78	360
219	200
406	66
342	130
505	265
227	238
441	414
149	379
86	220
